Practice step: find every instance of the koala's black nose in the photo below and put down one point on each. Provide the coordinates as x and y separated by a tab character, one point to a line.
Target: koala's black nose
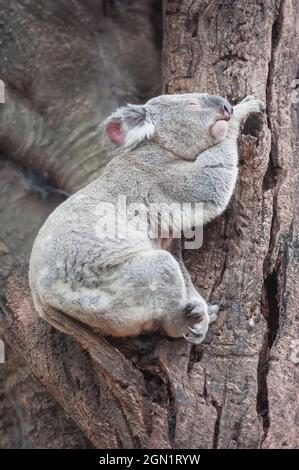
224	108
227	109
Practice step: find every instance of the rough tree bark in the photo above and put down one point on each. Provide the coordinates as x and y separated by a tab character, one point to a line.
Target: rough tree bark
238	389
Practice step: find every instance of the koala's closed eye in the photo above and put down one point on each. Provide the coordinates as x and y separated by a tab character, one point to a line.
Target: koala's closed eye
194	103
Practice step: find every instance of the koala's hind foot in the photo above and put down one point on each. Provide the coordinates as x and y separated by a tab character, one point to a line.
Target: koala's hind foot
201	315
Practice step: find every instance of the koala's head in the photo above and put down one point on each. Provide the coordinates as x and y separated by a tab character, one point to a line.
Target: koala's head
184	124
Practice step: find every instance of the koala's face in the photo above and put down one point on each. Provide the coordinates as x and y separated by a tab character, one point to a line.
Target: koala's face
184	124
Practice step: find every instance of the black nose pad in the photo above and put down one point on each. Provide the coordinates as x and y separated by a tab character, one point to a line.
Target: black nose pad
226	109
221	104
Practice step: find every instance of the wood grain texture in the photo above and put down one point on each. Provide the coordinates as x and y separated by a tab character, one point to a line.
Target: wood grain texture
249	260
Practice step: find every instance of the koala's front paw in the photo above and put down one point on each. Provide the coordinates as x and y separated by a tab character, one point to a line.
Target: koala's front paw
248	98
249	105
197	313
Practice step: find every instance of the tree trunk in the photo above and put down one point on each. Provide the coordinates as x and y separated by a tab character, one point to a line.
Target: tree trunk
249	259
239	388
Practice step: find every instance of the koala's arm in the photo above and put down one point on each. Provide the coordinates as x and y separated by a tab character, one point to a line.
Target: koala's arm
211	178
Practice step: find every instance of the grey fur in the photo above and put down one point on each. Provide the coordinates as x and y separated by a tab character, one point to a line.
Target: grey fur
123	287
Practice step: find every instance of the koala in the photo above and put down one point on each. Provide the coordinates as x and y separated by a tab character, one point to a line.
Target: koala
173	149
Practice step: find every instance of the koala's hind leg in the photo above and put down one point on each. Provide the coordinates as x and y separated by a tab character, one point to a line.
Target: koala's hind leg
210	310
144	294
155	291
56	318
150	294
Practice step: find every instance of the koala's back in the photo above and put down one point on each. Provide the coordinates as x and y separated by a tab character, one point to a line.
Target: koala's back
71	255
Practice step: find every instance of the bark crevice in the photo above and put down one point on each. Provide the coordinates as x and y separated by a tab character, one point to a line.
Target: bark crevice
219	410
273	178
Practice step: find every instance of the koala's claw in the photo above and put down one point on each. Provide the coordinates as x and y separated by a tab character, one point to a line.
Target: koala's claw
197	313
193	310
195	331
198	333
203	317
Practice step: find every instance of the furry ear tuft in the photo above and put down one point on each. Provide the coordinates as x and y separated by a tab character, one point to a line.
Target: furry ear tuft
114	131
129	125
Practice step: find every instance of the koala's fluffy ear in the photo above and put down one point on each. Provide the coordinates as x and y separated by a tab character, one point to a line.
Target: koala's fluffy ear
129	125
